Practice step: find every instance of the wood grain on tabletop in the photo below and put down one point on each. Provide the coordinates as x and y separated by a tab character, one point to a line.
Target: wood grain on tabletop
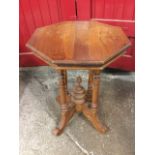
78	41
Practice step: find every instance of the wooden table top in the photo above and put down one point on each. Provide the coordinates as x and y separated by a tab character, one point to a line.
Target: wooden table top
78	43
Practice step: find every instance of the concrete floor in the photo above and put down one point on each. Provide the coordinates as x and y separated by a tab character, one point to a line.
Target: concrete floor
39	114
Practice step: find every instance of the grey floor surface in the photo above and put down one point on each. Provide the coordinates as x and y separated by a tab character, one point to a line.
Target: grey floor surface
39	113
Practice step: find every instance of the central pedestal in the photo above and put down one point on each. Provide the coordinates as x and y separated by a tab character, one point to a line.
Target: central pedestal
77	99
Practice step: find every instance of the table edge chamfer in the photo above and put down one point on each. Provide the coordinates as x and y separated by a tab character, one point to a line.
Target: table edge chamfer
70	64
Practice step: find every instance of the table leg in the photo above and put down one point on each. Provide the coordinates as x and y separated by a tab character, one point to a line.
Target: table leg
92	115
89	90
64	74
95	92
66	113
78	101
65	81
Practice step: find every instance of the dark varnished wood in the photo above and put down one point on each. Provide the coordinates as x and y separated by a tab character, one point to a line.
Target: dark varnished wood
78	43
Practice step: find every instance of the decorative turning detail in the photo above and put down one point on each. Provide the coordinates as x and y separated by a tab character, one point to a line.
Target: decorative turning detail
89	90
78	95
77	102
66	111
95	92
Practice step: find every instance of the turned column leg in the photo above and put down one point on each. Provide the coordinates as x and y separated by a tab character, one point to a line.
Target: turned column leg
66	113
65	81
95	92
89	90
92	114
64	74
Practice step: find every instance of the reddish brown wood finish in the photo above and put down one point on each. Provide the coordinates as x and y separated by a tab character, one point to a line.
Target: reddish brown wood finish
89	90
79	45
78	101
78	42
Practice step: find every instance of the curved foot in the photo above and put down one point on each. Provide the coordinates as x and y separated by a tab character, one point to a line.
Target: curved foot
57	131
94	120
65	118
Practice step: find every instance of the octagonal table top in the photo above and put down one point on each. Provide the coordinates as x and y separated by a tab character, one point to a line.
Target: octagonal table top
78	44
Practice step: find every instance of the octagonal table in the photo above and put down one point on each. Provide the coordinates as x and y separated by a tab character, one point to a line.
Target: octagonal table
76	45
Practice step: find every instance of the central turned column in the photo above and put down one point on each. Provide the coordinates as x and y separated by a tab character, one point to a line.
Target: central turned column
78	95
